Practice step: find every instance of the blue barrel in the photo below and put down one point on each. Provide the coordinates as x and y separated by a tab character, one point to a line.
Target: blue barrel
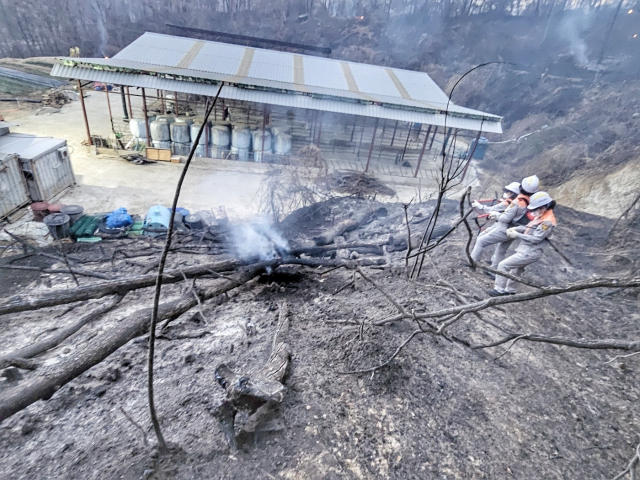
480	150
158	217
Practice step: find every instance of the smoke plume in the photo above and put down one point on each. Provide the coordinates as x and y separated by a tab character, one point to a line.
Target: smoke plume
258	239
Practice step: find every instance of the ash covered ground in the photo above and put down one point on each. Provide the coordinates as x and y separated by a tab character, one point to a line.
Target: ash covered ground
439	410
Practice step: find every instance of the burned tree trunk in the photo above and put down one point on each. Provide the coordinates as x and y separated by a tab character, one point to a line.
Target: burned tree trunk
255	392
43	383
329	235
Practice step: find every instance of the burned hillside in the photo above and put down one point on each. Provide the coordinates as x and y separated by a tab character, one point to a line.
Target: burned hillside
440	407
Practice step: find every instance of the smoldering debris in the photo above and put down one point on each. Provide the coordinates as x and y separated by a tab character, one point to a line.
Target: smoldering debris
258	239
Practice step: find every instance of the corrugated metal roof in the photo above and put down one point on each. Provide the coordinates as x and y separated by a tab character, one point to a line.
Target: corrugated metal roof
274	98
269	71
28	146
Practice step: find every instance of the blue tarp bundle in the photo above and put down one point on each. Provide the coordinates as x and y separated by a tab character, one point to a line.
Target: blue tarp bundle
119	218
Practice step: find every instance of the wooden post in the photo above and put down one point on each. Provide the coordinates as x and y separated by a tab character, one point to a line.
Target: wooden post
146	117
84	113
424	145
373	138
129	102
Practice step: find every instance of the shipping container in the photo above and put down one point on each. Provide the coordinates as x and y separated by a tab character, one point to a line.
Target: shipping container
45	163
13	187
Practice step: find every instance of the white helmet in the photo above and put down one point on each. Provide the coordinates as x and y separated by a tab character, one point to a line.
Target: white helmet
539	199
530	184
513	187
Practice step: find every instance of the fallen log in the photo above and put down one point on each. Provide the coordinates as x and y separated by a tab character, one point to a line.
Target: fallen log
27	302
329	235
43	383
255	392
58	337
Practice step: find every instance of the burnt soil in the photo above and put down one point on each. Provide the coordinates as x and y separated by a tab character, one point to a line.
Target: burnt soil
439	410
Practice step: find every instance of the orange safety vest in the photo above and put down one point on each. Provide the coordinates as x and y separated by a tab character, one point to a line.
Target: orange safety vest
547	217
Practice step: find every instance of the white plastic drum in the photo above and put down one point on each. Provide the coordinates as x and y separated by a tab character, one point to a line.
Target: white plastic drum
241	138
187	120
220	136
259	137
160	131
180	132
282	144
242	153
181	148
200	150
195	128
167	118
138	127
165	145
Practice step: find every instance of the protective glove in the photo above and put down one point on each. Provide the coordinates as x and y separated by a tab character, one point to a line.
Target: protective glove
493	215
511	233
476	204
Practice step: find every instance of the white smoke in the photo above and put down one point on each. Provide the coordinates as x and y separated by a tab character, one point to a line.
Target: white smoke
101	20
571	28
258	239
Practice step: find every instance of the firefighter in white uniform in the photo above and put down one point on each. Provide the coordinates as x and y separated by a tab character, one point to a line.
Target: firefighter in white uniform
531	242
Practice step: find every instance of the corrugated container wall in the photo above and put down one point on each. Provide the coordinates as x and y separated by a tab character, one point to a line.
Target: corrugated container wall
48	174
13	188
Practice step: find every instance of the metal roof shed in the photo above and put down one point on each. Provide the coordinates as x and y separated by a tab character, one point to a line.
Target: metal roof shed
271	77
44	161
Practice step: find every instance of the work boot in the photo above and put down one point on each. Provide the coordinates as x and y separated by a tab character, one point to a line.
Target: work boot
494	293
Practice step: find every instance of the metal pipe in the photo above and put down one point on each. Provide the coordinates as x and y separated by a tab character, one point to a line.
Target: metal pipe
84	113
124	102
146	117
393	137
364	124
321	116
106	90
424	145
404	150
129	102
435	132
175	104
373	138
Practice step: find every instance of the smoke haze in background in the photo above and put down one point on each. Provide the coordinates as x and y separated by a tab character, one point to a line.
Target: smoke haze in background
258	239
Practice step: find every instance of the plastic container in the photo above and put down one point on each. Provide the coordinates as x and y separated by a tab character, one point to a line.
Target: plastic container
165	145
194	222
160	130
39	210
74	212
187	120
479	151
241	138
182	149
282	144
138	127
55	207
166	118
194	129
158	217
58	225
220	136
241	153
180	132
201	150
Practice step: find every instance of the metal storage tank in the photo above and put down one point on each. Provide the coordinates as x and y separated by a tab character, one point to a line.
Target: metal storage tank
13	186
44	161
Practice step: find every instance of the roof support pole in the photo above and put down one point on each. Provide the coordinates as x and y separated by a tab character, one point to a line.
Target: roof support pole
129	102
364	124
124	103
84	113
353	130
175	104
393	137
433	138
373	139
106	90
264	124
473	150
163	107
146	117
424	145
321	115
406	144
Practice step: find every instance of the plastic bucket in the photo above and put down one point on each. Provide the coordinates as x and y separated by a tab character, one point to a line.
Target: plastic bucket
55	207
74	212
58	224
39	210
